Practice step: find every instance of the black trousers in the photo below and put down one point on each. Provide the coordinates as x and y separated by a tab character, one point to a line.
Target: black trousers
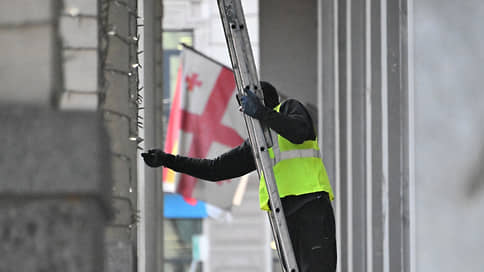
313	236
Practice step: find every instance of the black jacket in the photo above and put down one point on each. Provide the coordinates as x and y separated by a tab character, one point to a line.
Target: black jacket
292	122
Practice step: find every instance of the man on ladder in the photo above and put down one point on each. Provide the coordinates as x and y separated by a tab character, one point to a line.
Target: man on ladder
300	175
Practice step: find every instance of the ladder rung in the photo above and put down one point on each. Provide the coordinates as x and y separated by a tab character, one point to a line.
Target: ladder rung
245	73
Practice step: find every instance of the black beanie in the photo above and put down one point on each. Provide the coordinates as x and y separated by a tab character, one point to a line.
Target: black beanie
271	98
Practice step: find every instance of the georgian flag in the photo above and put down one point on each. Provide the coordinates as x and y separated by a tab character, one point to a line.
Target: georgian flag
204	122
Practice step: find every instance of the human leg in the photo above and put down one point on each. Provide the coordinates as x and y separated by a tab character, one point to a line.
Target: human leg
316	244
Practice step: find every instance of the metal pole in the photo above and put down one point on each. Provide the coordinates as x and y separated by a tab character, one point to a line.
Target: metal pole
150	247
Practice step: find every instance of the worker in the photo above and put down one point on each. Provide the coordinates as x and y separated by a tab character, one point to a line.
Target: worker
301	178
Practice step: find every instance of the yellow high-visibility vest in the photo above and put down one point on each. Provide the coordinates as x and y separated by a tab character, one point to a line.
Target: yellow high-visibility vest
298	169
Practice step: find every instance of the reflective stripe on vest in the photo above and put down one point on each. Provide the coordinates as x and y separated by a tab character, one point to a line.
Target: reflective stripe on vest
279	155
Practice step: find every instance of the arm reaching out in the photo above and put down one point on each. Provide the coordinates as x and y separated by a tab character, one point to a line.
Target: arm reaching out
234	163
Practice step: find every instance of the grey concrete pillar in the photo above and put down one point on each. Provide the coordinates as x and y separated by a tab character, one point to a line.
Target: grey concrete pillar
119	104
54	189
150	245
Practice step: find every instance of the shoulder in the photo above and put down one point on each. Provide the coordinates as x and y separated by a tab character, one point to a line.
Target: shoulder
290	105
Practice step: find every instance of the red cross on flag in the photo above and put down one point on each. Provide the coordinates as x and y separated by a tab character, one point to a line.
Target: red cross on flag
204	122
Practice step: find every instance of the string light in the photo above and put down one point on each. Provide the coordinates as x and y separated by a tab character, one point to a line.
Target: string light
117	71
133	217
128	161
73	11
111	33
132	136
126	40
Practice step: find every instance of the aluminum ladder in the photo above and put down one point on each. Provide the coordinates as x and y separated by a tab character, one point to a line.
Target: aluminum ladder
245	72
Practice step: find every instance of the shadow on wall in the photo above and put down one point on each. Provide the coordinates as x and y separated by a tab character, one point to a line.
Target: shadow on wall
475	182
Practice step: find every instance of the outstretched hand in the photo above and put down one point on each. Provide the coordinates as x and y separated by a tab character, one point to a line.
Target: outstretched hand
251	104
154	157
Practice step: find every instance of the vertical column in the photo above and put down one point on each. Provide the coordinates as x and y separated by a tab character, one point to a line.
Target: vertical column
329	108
151	231
368	137
412	198
368	101
343	260
397	134
358	143
376	142
327	93
119	102
353	135
328	101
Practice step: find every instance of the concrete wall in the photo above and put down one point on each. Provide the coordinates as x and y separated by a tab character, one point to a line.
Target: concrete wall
449	56
79	33
55	162
288	55
55	166
54	190
30	27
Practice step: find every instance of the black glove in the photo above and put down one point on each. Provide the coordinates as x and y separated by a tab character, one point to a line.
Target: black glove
154	157
251	104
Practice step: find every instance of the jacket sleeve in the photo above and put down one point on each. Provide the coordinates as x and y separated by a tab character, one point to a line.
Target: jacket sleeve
234	163
292	122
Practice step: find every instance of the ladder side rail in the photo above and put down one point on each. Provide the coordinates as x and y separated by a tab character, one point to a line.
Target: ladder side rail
277	239
246	75
238	77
